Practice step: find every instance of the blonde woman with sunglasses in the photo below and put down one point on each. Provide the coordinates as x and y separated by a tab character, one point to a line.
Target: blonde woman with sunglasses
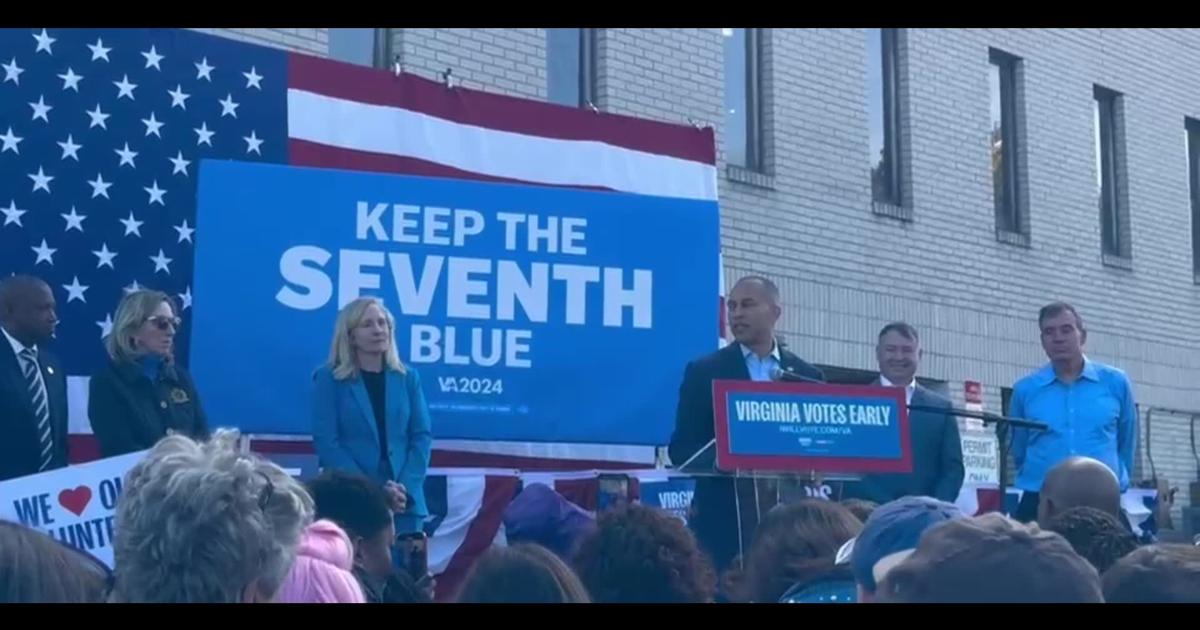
143	394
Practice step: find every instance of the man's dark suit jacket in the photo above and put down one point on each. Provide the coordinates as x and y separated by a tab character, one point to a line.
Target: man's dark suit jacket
937	458
713	512
20	447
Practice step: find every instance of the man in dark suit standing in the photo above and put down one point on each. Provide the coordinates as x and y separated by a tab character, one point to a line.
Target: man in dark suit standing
753	312
33	387
936	448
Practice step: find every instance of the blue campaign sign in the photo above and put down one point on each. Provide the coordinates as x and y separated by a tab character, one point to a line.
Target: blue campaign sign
801	426
673	495
531	313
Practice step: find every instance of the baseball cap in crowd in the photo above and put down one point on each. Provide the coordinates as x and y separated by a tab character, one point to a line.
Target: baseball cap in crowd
992	559
890	535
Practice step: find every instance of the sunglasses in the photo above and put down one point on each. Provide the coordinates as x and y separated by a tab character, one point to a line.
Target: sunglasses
162	322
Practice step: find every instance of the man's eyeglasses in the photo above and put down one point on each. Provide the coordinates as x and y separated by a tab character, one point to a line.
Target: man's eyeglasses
162	322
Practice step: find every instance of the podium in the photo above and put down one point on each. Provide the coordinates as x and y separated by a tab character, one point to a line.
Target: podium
810	427
770	431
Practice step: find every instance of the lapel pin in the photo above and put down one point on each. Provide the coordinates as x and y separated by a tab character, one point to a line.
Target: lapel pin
49	370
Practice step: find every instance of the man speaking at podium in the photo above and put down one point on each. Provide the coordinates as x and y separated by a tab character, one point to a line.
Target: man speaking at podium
753	312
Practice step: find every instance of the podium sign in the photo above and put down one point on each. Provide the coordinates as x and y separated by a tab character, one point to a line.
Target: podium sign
771	426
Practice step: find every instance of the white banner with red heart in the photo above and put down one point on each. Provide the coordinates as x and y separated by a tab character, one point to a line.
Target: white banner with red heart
74	505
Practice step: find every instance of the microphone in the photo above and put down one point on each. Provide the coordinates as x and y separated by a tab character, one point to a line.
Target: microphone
781	375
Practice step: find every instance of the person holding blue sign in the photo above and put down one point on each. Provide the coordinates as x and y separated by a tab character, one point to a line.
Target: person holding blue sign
720	526
1087	405
936	446
143	394
368	411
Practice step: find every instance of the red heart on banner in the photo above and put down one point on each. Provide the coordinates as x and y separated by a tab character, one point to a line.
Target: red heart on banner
75	500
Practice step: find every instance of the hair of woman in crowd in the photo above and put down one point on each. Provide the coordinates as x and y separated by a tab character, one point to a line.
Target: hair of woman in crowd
361	508
522	574
321	572
204	522
795	543
1094	534
642	554
1164	573
860	508
36	569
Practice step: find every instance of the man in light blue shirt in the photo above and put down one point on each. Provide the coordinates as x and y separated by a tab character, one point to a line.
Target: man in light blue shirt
1088	406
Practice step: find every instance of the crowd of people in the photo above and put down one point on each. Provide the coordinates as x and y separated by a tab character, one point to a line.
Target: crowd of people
204	521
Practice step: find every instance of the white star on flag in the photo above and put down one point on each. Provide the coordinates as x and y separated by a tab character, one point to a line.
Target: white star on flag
44	253
100	187
132	225
105	257
98	118
180	164
160	262
185	232
128	94
132	287
253	79
152	125
98	50
126	156
44	41
75	291
41	180
228	107
71	80
252	143
74	220
10	142
12	214
70	149
152	58
12	72
178	97
203	70
125	88
41	109
203	135
156	194
105	326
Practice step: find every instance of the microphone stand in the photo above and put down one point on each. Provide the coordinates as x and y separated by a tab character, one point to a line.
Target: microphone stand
1002	424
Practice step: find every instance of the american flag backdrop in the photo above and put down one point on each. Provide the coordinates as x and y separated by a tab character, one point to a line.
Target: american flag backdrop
103	133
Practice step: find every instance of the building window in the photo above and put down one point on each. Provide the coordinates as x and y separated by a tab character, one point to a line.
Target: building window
1193	148
1114	232
362	46
743	98
1004	142
571	66
884	114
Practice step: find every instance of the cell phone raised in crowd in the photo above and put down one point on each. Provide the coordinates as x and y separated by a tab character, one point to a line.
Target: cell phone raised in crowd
414	552
613	491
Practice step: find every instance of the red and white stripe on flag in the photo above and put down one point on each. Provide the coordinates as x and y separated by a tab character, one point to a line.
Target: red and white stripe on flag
352	117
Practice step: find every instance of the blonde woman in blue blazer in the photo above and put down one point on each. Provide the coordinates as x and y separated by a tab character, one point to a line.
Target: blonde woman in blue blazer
369	414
